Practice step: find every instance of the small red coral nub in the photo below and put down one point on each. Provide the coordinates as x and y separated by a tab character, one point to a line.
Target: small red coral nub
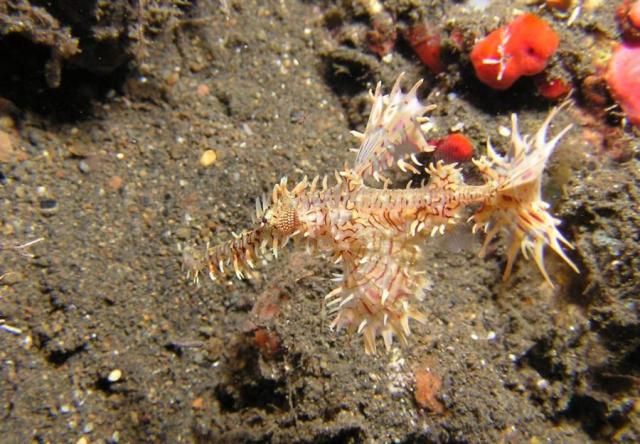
552	89
628	15
382	38
453	148
634	14
522	48
267	342
623	78
428	386
426	44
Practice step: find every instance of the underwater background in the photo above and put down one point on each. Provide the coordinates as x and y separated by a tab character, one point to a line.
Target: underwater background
131	130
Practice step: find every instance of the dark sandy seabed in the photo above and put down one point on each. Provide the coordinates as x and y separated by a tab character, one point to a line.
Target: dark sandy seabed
104	340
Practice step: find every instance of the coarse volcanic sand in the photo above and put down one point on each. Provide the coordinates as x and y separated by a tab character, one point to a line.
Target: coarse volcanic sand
103	339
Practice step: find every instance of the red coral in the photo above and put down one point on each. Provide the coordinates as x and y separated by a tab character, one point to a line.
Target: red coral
382	38
552	89
634	14
457	38
428	384
628	15
427	45
594	90
561	5
522	48
453	148
267	305
267	342
492	64
623	78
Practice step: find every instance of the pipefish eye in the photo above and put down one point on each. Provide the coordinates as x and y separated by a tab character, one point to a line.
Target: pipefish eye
264	219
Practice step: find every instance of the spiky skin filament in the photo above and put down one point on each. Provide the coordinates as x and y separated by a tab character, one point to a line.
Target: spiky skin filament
377	234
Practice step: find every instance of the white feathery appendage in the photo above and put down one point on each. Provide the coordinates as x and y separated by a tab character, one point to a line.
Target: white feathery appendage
518	204
380	296
393	130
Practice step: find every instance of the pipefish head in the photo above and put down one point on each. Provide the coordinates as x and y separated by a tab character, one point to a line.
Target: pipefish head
281	217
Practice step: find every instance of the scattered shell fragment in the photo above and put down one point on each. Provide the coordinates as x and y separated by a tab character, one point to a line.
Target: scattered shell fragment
208	158
457	127
6	148
198	403
172	78
79	150
115	182
115	375
561	5
48	207
202	90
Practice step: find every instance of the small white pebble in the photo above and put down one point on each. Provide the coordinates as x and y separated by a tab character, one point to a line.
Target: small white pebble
512	357
491	335
542	384
115	375
26	342
11	329
457	127
474	336
428	126
247	129
504	131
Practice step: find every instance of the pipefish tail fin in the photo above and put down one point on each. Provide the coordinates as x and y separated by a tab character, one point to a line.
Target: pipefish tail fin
516	202
237	256
278	222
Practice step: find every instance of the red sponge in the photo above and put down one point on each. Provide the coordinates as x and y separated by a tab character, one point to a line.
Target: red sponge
453	148
623	78
522	48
